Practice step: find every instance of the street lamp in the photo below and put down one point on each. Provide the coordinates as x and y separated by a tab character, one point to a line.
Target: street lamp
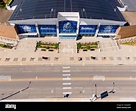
2	95
29	84
95	90
113	89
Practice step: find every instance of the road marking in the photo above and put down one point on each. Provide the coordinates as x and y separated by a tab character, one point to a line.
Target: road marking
66	83
26	71
133	70
52	91
52	64
67	92
105	70
66	70
65	67
73	79
67	78
66	87
66	74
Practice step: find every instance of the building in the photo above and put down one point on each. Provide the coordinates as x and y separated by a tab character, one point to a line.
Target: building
67	19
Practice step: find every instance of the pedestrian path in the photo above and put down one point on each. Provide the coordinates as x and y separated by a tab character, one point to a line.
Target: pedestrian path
68	47
25	54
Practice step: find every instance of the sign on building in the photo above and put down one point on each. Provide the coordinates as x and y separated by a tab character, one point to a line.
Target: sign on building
47	29
67	26
26	28
108	28
87	29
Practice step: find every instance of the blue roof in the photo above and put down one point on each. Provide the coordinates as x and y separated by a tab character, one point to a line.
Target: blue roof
39	9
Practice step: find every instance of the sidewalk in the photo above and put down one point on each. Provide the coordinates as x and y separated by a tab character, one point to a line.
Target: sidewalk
70	100
25	55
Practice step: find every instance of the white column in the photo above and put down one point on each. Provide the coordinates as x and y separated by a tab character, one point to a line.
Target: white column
37	30
57	27
97	30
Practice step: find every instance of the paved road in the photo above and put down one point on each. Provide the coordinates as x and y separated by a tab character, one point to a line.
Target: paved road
78	81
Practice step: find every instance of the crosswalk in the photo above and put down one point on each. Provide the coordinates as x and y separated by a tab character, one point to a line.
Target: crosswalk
66	80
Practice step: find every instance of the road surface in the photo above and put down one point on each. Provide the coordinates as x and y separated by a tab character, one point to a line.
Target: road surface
78	81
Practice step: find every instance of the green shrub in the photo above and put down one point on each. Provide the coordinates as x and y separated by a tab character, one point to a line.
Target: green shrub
6	46
56	46
47	47
94	43
2	5
88	47
79	45
8	1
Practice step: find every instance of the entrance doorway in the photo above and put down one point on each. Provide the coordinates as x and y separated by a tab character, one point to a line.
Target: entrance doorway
67	37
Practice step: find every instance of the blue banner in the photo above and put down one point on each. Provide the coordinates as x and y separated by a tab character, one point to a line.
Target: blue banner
67	27
108	28
26	28
87	29
47	29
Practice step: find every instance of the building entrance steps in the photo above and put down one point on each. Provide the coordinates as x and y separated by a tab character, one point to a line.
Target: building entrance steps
27	45
108	45
68	47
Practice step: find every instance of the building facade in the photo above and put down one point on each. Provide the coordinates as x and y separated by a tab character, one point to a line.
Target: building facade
67	22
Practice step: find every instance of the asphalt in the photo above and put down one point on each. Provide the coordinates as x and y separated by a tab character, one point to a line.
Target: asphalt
78	81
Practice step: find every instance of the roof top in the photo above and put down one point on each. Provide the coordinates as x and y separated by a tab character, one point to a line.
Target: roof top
131	4
94	9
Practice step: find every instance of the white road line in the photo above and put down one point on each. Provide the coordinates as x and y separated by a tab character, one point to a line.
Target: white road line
66	87
26	71
133	70
67	92
66	78
66	83
105	70
65	67
66	74
66	70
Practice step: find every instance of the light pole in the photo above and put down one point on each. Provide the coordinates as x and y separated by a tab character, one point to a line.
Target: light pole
29	84
95	90
2	95
113	89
